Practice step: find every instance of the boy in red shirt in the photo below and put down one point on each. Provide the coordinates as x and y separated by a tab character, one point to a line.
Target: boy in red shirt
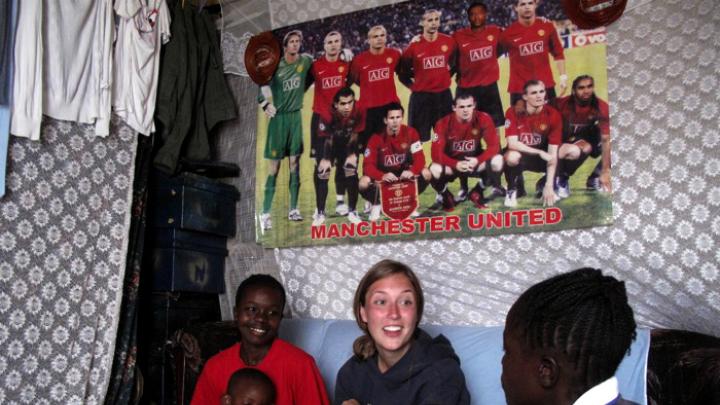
259	305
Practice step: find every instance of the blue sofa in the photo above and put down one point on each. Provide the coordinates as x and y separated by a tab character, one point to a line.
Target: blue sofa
330	343
479	349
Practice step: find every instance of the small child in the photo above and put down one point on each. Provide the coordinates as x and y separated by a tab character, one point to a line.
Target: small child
249	386
564	339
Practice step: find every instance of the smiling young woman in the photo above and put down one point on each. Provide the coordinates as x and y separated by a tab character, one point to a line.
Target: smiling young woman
395	361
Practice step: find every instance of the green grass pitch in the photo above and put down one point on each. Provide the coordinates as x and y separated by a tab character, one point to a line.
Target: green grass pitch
582	209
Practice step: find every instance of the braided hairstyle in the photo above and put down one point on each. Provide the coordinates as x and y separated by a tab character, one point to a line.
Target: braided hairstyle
582	314
364	346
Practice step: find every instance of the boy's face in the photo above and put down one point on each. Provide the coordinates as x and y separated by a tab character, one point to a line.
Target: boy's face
258	315
248	394
519	370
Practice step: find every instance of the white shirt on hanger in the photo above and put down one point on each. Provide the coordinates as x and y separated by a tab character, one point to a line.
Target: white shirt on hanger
143	27
77	80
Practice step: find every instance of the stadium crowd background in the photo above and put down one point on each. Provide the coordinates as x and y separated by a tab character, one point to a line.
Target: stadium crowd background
402	22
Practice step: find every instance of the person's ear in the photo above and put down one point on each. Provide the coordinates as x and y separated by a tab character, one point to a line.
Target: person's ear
226	399
363	314
548	371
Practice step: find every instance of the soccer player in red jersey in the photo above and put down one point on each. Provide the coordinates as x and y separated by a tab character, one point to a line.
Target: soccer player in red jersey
586	132
478	71
528	41
330	74
425	69
533	131
457	149
374	72
336	144
394	154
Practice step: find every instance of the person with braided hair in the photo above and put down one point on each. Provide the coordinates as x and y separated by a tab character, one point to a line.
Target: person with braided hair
394	361
564	339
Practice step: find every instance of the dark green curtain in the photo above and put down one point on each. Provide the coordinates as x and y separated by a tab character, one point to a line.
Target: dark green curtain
123	380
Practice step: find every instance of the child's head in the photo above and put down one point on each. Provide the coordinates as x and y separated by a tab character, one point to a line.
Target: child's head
565	335
259	304
249	386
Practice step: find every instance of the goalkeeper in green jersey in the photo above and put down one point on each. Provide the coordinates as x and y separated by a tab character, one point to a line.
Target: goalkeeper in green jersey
282	101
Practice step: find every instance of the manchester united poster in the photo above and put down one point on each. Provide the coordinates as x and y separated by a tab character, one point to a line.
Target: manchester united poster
431	119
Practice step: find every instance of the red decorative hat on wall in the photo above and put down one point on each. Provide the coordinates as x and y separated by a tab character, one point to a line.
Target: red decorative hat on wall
262	56
593	13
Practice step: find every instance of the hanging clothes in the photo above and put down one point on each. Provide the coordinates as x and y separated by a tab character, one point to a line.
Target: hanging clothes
7	32
8	24
143	27
26	115
78	37
193	96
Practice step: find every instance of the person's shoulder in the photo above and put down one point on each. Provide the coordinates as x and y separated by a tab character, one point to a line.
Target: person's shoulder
542	21
438	352
392	52
602	103
553	113
445	120
375	138
514	26
484	117
306	59
412	132
561	101
224	356
550	110
444	37
291	352
352	366
460	32
494	28
359	57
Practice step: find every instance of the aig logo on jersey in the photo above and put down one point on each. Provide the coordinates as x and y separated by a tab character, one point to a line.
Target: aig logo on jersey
481	53
331	82
531	48
291	84
530	138
434	62
464	146
379	74
395	159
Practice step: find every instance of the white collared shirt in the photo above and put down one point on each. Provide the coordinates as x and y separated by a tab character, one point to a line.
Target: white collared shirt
601	394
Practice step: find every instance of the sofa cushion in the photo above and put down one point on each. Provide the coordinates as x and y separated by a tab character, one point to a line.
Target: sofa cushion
479	348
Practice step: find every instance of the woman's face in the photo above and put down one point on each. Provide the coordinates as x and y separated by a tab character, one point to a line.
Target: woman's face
390	312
